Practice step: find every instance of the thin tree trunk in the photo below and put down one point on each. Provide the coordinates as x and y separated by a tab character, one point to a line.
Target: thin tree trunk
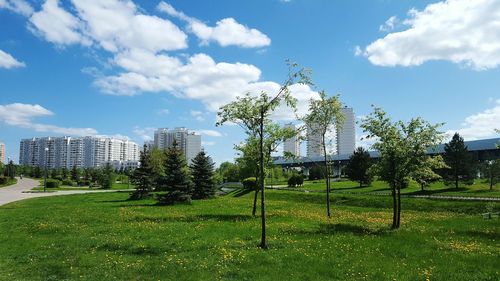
254	210
399	207
327	176
263	242
394	207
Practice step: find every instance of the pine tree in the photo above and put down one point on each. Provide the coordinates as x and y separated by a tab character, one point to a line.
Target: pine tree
357	169
176	179
142	177
457	158
202	172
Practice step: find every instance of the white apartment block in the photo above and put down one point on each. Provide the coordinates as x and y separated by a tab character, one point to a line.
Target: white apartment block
346	136
2	152
188	142
292	145
66	152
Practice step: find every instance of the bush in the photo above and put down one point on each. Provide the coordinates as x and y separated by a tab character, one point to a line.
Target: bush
173	197
316	173
250	183
295	180
68	182
51	183
84	183
3	180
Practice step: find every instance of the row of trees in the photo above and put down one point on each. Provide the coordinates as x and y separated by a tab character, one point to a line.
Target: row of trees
167	173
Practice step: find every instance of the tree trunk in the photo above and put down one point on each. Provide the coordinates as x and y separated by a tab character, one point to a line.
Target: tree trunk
254	210
263	242
327	177
399	207
394	207
491	180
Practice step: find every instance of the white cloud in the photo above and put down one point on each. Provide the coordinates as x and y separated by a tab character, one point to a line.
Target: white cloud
146	134
389	24
164	111
208	143
461	31
21	115
226	32
8	61
210	133
118	25
198	115
357	51
57	25
479	126
17	6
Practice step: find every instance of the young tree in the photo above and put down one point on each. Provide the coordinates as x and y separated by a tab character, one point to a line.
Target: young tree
229	172
142	178
358	167
157	162
54	173
106	176
176	179
37	172
426	174
74	173
403	151
253	113
491	168
64	172
323	114
202	172
459	162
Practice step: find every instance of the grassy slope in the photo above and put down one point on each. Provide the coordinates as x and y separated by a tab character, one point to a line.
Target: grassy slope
116	186
104	237
10	182
438	188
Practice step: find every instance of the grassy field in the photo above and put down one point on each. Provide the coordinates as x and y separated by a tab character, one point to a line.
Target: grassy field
105	237
115	186
8	183
479	188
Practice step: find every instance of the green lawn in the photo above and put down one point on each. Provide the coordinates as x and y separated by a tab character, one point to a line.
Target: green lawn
9	182
104	237
479	188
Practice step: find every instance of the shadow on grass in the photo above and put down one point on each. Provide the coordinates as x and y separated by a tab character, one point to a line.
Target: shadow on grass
241	192
197	218
343	228
437	191
130	250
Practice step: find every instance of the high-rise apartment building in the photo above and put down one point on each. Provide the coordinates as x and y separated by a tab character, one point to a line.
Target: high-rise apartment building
66	152
346	136
292	145
188	142
2	152
314	145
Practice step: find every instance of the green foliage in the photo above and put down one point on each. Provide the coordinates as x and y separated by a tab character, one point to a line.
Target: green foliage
460	163
75	173
37	172
229	172
296	180
68	182
52	183
3	180
142	177
176	181
358	168
403	151
316	173
491	169
202	172
64	172
250	183
106	177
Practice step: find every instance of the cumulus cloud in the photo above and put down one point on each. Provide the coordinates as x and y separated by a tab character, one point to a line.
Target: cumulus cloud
226	32
17	6
198	115
146	134
461	31
389	24
210	133
8	61
22	115
58	26
481	125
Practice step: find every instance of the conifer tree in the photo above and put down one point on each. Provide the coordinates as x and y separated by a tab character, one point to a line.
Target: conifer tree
176	179
457	158
202	172
359	164
142	178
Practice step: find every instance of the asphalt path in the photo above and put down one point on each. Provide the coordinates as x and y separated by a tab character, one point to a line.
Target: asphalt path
21	191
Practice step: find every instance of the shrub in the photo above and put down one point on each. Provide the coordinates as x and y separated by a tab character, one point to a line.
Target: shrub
316	173
51	183
3	180
68	182
295	180
250	183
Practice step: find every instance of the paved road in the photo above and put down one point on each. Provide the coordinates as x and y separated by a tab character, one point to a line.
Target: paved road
19	191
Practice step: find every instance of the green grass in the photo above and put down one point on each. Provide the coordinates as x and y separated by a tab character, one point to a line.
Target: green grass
478	189
106	237
9	182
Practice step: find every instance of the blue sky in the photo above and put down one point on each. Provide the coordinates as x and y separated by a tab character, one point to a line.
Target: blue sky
88	67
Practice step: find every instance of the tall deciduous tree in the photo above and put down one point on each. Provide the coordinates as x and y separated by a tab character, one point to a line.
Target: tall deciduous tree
403	151
324	114
459	162
142	176
202	173
252	113
358	167
176	180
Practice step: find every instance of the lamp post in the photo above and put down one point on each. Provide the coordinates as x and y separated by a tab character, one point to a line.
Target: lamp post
46	163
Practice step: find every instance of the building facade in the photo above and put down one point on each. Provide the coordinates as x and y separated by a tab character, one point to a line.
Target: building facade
188	142
2	152
66	152
346	135
292	145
